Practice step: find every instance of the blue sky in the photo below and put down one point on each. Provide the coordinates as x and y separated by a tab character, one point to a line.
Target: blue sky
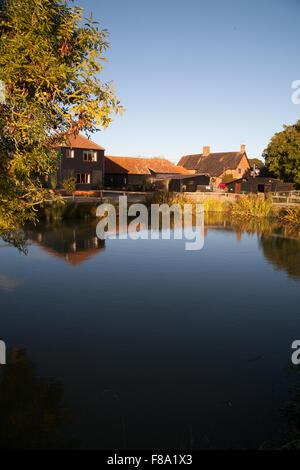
193	73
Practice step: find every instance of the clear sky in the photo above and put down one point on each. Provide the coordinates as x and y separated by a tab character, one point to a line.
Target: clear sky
194	72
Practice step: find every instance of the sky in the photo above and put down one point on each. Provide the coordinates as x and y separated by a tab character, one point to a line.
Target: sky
193	73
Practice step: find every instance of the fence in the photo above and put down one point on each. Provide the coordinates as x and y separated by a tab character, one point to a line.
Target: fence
286	197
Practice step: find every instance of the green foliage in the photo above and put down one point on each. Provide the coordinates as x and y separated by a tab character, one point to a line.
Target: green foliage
282	156
50	212
256	161
53	180
69	184
51	59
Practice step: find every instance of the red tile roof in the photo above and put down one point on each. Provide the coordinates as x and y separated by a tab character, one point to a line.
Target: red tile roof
81	142
141	166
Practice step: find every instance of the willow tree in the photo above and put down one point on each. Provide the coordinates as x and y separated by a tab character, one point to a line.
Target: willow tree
51	59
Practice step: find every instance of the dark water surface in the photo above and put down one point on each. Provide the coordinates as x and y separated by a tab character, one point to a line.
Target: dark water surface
148	345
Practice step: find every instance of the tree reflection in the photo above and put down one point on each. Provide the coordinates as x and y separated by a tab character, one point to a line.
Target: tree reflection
283	253
32	413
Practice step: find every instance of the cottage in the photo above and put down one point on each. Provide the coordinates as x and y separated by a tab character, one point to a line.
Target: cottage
134	173
258	184
218	166
83	159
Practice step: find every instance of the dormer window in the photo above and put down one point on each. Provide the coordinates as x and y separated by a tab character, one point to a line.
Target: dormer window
89	156
70	153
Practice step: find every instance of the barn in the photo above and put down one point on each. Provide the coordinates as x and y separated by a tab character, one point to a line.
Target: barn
258	184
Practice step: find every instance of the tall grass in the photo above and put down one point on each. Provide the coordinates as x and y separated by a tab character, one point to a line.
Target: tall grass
164	197
292	216
251	206
215	205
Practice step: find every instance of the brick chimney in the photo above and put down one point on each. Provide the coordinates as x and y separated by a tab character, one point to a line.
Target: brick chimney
243	148
206	151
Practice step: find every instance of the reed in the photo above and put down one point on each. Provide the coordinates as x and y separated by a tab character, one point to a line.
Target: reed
215	205
164	197
251	206
292	216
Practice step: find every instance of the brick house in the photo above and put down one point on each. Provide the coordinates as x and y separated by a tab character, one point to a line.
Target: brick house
83	159
218	166
133	173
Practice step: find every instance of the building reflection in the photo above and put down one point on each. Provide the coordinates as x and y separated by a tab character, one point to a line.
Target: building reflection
74	243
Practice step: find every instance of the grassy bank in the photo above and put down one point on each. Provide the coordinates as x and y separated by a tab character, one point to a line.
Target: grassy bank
242	209
60	210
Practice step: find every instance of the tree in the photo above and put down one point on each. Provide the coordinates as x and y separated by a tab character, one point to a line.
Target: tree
282	156
51	59
256	161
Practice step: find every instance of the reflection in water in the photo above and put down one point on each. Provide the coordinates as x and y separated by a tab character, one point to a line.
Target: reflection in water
280	245
73	242
7	283
76	241
282	253
132	381
31	408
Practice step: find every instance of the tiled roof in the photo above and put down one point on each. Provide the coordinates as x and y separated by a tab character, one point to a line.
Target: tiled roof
141	166
81	142
213	164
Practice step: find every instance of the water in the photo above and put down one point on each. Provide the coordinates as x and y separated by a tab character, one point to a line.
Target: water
141	344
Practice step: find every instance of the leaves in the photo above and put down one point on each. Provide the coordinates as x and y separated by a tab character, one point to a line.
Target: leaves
282	155
51	63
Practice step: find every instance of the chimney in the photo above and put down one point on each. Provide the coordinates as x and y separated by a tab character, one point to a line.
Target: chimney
206	151
243	148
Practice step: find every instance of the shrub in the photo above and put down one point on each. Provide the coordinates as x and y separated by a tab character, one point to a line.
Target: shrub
53	181
69	184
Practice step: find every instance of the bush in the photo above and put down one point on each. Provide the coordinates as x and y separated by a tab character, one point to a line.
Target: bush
69	184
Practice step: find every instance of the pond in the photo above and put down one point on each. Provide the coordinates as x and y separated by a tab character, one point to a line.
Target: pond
140	344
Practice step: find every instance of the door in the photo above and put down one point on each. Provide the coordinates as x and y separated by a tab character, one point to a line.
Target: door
238	187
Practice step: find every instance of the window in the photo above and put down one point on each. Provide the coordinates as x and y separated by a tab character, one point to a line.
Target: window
89	156
70	153
83	178
240	170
